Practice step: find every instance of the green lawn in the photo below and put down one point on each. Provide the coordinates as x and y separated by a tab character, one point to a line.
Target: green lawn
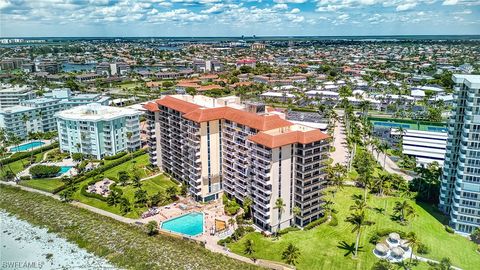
48	185
320	249
140	163
17	166
152	186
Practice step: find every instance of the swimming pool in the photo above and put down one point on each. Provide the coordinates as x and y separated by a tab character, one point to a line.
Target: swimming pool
391	124
26	146
64	169
190	224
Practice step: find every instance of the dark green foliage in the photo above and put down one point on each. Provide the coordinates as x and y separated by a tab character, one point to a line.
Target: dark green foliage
423	249
449	229
43	171
77	156
315	223
117	156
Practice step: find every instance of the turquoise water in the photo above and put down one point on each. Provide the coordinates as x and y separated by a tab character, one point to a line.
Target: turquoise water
190	224
27	146
64	169
391	124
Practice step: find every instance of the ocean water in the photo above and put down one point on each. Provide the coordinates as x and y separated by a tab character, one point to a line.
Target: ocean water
24	246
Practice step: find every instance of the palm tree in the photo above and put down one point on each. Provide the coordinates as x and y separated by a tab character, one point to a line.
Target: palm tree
248	249
113	198
247	205
123	177
358	220
404	210
359	205
413	240
280	206
382	148
171	192
290	254
231	222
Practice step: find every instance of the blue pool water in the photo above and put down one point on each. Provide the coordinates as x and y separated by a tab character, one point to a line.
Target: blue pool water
437	129
391	125
27	146
190	224
64	169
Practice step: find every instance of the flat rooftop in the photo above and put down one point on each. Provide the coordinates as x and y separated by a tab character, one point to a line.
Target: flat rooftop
95	112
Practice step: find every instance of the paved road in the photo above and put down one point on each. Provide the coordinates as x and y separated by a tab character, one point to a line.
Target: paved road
341	153
390	166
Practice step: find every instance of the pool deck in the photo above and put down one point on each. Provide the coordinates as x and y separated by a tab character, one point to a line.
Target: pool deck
65	162
212	211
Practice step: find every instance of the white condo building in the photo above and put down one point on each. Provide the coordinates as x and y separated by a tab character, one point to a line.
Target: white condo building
97	130
460	188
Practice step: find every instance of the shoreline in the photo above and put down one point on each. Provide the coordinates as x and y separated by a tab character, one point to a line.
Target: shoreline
28	246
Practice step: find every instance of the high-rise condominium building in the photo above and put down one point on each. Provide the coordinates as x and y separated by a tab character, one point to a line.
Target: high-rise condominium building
38	115
98	131
219	146
460	190
11	95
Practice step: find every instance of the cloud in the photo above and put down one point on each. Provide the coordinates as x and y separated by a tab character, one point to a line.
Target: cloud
406	6
450	2
290	1
295	11
280	6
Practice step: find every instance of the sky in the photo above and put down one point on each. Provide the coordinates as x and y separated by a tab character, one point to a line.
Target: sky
121	18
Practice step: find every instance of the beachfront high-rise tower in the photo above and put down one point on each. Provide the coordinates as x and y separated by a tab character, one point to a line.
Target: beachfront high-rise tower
460	188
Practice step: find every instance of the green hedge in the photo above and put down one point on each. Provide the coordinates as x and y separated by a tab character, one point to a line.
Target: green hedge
43	171
104	168
315	223
22	155
117	156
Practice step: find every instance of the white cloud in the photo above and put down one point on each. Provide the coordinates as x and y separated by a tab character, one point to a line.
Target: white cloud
406	6
280	6
450	2
295	11
290	1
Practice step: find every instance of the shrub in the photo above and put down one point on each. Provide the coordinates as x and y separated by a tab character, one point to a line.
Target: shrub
334	221
287	230
315	223
375	238
25	177
77	156
117	156
449	229
43	171
222	242
423	249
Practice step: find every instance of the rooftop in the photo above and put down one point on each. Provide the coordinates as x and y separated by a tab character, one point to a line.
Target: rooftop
95	112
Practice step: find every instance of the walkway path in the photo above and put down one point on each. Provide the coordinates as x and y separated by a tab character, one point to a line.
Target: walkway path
390	166
341	153
430	260
76	203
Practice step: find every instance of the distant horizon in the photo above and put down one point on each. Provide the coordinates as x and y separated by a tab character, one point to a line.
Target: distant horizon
248	36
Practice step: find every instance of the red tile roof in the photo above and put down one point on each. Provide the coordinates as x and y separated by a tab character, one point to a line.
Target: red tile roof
151	107
177	104
282	139
199	114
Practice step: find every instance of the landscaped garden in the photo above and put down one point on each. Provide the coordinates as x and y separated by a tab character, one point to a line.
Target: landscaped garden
129	196
331	247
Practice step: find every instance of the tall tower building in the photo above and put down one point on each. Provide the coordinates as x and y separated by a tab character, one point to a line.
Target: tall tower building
460	187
